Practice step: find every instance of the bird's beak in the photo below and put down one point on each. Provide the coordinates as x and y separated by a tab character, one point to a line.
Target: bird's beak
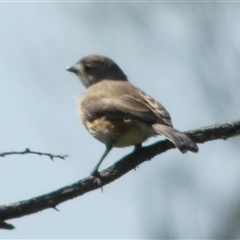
72	69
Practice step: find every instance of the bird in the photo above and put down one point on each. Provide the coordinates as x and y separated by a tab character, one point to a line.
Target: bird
119	114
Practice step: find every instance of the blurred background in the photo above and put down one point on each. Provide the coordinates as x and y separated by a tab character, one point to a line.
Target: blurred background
185	55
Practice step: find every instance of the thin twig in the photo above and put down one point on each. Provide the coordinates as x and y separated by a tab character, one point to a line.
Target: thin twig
28	151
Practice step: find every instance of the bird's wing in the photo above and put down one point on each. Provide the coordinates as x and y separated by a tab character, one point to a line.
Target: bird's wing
157	108
144	109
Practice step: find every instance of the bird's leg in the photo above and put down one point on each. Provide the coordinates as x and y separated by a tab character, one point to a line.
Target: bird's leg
136	147
95	172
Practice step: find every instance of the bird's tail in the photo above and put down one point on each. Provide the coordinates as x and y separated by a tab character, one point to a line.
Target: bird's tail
179	139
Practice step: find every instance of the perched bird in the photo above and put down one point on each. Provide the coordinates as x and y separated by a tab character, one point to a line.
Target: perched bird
119	114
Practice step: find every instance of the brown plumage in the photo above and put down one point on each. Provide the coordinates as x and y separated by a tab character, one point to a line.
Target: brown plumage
119	114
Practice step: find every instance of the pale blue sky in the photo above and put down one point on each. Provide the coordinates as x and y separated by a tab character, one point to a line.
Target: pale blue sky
186	55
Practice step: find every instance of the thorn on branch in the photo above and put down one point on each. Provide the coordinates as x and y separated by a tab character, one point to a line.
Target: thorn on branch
56	209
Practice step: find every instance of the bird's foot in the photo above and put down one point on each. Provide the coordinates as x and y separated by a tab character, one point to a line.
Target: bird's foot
97	178
95	173
137	147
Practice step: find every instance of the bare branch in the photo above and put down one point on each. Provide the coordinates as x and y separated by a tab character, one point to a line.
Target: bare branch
124	165
28	151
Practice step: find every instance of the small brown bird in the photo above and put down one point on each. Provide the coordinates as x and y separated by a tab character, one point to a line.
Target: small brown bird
119	114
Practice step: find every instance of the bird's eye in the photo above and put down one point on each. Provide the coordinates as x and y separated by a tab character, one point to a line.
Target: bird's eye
88	68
